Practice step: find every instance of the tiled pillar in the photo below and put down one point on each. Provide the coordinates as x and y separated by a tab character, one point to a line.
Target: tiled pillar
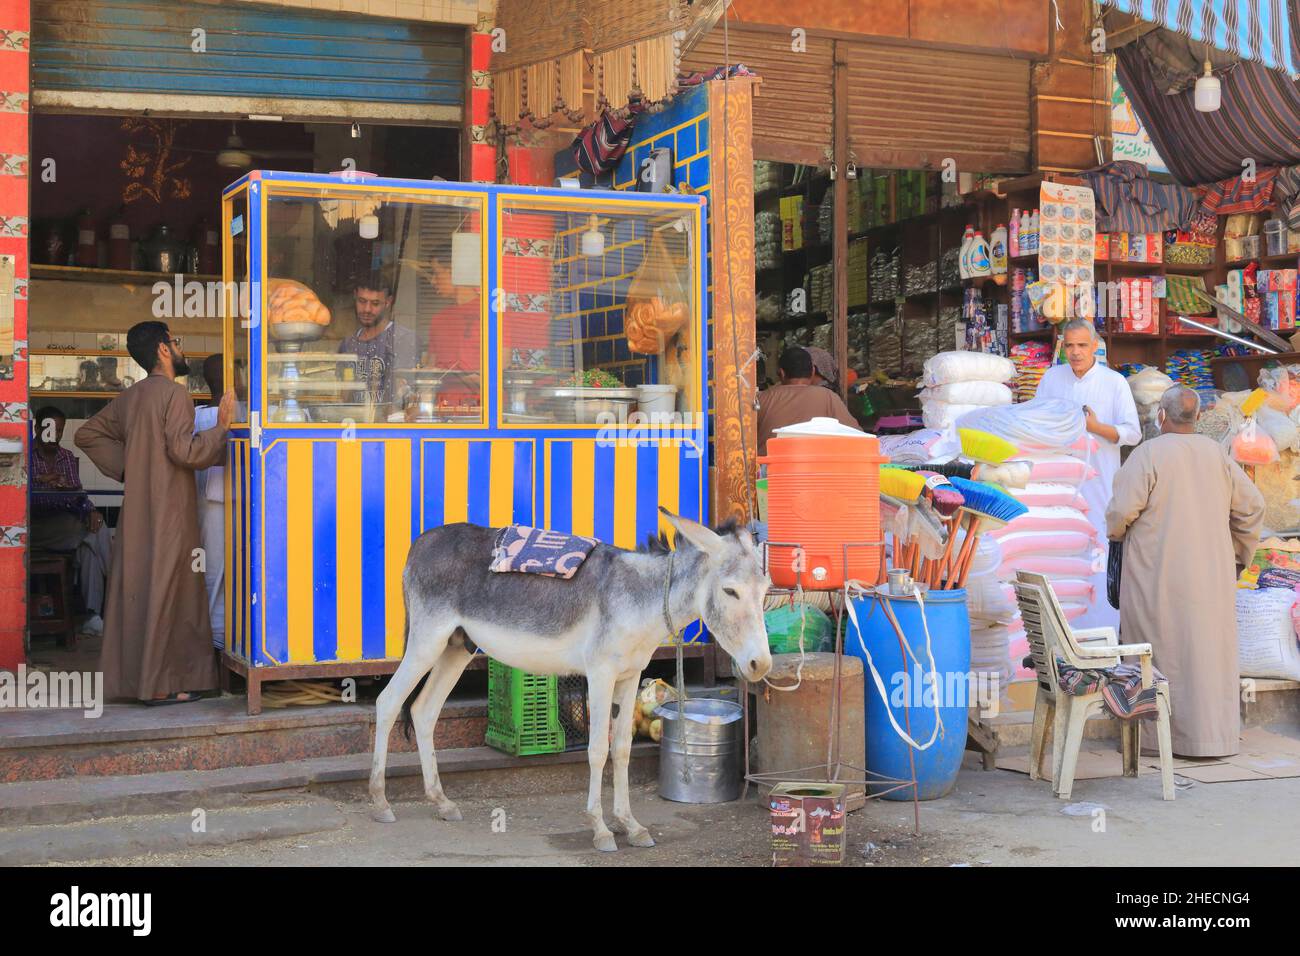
482	153
15	32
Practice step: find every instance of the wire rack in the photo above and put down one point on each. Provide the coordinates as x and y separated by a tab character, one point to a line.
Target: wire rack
834	770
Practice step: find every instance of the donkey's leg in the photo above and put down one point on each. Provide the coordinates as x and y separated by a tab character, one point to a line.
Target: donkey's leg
424	646
600	696
625	700
424	714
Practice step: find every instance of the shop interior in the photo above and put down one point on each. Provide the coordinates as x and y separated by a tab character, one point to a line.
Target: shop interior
905	293
125	227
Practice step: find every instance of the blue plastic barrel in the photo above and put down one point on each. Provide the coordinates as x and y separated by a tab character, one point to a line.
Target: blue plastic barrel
911	692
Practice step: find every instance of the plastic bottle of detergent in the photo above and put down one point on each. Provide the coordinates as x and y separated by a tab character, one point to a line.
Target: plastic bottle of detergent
998	249
1024	240
1033	232
963	257
979	256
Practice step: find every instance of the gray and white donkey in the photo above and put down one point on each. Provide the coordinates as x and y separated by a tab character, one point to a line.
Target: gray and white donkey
604	623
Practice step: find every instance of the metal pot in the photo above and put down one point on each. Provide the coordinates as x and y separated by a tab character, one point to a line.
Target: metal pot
700	757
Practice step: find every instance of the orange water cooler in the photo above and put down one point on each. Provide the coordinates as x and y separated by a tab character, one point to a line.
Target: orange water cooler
823	497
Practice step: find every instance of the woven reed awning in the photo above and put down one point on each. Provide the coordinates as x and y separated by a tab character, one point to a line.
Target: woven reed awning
1263	31
633	45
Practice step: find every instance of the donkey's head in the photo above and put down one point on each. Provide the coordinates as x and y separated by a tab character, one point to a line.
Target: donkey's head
729	592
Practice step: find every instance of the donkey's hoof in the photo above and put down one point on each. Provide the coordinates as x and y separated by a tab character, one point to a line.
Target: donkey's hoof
640	837
604	842
384	815
450	812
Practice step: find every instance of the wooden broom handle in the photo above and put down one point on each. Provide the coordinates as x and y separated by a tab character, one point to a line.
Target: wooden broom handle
938	570
963	556
965	566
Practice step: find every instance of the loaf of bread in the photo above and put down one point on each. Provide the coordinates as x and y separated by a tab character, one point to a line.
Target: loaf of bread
650	323
291	301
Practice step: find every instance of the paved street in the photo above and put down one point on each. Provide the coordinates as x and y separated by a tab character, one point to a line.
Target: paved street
996	818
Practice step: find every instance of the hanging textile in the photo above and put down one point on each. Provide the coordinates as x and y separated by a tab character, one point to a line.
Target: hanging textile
1258	119
1264	31
1241	195
1129	201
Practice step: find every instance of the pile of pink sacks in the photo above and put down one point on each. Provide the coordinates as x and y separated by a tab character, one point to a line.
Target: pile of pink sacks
1055	536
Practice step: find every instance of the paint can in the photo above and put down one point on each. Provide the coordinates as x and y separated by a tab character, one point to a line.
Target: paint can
808	824
700	757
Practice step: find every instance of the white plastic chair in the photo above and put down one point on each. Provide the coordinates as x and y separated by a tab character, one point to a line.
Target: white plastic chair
1050	637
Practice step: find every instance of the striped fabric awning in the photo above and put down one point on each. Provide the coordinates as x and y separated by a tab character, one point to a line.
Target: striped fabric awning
1257	121
1266	31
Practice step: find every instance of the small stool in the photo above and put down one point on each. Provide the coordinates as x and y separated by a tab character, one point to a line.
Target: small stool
49	609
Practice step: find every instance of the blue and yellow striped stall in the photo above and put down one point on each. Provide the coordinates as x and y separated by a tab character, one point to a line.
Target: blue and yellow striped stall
320	519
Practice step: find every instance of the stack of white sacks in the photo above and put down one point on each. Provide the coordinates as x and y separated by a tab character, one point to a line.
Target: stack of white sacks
956	383
1054	537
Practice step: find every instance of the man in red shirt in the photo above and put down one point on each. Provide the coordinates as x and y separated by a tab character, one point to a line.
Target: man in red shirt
455	340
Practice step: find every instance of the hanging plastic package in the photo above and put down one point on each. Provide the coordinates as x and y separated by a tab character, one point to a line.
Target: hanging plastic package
1251	445
657	301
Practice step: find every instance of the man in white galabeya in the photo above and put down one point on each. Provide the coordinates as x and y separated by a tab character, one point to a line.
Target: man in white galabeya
1111	417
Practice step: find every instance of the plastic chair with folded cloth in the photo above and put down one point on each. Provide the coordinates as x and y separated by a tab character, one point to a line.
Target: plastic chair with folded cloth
1052	643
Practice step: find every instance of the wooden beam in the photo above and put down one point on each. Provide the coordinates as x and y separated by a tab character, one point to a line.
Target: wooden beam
840	220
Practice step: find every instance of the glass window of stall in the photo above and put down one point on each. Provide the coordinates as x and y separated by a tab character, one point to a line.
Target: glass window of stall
599	322
373	307
236	296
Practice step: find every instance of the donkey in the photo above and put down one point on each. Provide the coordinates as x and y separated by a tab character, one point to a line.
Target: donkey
604	623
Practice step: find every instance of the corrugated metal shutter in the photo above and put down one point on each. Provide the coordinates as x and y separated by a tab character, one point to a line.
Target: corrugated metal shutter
793	106
126	48
911	107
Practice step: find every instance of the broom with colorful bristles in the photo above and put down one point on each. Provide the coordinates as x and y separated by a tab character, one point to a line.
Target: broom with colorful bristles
986	505
1012	474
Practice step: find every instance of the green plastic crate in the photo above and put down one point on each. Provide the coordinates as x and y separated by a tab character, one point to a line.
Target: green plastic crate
523	712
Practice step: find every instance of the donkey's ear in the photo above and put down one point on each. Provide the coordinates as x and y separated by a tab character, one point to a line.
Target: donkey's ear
694	532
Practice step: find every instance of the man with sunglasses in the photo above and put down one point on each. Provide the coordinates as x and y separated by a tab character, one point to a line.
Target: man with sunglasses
157	635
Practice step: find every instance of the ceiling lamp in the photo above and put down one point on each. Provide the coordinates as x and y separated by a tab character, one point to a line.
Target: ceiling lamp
1209	91
593	240
234	155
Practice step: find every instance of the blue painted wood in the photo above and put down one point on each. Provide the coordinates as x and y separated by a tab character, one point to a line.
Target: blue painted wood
146	46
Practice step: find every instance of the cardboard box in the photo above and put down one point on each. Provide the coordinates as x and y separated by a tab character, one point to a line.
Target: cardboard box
1101	247
1119	246
1139	312
1155	247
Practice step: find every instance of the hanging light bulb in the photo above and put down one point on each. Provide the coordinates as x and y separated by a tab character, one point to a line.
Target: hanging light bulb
593	240
369	226
1209	90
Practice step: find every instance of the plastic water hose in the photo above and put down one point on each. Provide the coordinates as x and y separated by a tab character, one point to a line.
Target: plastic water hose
875	675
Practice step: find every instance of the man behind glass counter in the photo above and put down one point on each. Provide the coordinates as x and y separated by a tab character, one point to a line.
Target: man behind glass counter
380	344
455	338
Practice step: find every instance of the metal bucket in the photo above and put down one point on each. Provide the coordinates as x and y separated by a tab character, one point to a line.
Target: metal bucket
705	764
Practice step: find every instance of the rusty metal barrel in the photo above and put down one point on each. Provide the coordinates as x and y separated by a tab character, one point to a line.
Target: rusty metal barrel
794	726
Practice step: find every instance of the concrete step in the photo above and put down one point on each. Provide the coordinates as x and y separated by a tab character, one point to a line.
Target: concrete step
465	772
207	735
